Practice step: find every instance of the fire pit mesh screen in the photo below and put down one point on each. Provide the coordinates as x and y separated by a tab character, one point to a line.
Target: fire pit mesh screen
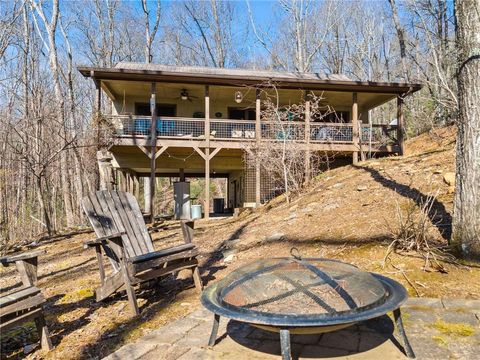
294	286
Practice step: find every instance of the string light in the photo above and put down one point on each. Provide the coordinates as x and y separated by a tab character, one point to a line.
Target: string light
180	159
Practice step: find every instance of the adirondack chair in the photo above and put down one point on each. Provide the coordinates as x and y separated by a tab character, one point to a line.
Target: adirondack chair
122	234
25	303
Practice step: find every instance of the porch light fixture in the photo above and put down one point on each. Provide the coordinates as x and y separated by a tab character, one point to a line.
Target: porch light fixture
184	94
238	97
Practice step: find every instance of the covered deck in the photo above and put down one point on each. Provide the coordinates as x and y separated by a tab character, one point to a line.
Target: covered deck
215	114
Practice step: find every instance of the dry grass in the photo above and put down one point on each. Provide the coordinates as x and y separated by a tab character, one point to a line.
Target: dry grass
413	230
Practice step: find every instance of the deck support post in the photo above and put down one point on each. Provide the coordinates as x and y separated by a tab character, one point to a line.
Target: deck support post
207	153
307	142
146	194
122	179
258	137
136	186
257	181
104	160
153	138
355	135
400	139
96	122
98	108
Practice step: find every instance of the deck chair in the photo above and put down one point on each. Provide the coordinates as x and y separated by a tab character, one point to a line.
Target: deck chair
25	303
122	234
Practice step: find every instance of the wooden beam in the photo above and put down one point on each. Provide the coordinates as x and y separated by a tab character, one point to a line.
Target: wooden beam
214	152
123	179
207	115
360	141
145	150
307	141
355	136
217	175
157	152
153	139
258	125
400	125
98	108
207	184
257	181
160	151
200	152
108	91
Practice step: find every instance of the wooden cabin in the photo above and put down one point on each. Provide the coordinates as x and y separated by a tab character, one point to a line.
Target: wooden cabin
205	117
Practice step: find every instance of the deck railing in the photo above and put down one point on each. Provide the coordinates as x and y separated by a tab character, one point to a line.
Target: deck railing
331	132
245	130
379	134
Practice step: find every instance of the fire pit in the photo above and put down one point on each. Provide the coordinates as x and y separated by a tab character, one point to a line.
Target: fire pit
301	296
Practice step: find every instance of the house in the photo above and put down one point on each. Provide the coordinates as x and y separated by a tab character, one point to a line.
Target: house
205	117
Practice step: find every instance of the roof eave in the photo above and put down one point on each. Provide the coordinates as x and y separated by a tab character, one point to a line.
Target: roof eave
232	80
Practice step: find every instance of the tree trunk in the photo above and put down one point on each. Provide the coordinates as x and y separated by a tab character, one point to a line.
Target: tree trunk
401	38
466	215
43	207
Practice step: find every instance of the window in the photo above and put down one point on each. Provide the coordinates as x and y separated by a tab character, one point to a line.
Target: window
241	113
162	109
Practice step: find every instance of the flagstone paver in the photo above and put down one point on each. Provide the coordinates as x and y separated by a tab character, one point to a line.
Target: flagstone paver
186	339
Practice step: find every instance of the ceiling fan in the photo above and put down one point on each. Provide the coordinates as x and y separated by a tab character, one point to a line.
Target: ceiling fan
184	95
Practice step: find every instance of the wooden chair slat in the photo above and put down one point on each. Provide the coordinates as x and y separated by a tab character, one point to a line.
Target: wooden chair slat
105	219
160	261
130	238
139	235
4	260
18	295
136	218
161	253
8	324
111	207
92	215
21	305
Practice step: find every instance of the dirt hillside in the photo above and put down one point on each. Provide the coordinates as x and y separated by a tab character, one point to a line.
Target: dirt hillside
347	214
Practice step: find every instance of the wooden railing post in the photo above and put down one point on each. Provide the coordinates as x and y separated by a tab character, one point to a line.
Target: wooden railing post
98	109
153	139
258	137
400	139
355	136
207	115
207	154
307	142
258	125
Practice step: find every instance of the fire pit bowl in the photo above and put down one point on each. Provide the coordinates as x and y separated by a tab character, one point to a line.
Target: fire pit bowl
302	296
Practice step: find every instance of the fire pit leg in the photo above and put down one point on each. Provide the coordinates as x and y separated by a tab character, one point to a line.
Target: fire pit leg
213	334
285	344
401	330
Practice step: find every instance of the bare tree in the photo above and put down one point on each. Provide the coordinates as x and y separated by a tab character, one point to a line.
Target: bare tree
466	215
301	29
283	160
150	33
401	38
8	18
51	29
206	30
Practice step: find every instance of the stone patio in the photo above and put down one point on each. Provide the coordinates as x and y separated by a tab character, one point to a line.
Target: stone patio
429	324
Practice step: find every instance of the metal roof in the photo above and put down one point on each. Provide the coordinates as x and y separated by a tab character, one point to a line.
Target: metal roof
240	77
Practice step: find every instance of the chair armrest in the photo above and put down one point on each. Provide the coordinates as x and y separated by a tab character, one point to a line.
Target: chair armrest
10	259
101	240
